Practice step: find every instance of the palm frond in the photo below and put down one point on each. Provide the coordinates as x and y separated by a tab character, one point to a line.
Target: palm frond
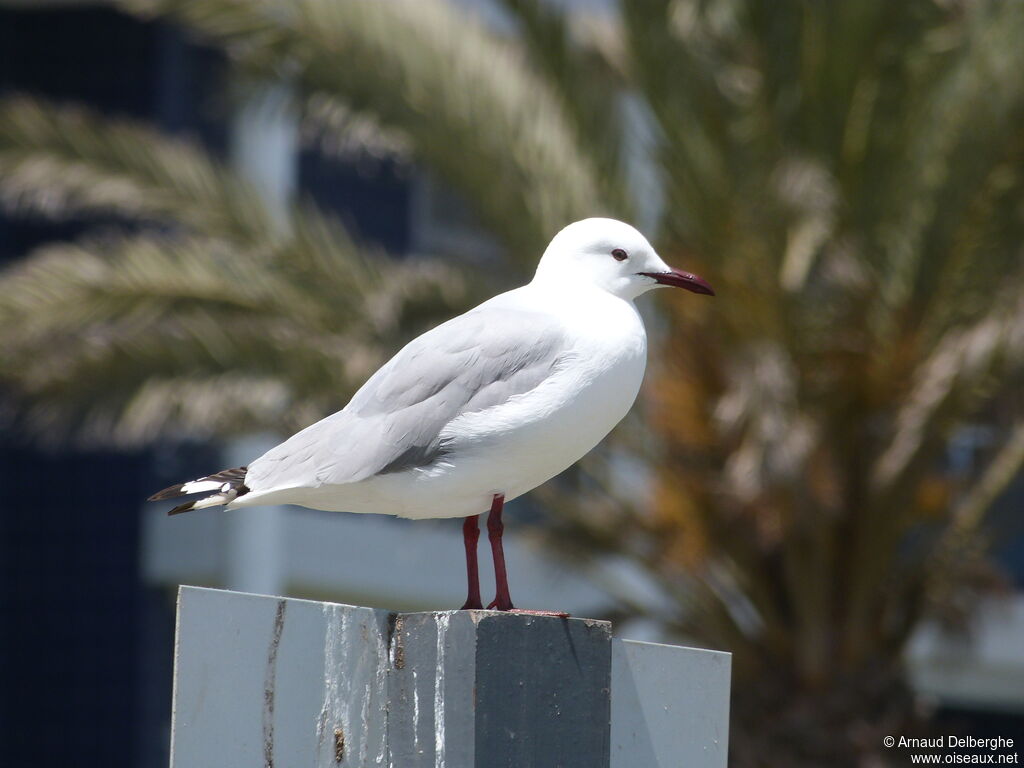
340	131
579	73
960	131
96	329
968	515
434	73
62	161
950	384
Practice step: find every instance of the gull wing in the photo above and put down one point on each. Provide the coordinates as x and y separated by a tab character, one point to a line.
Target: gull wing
395	421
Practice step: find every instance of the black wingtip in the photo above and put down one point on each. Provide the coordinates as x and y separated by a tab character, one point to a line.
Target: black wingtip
187	506
168	493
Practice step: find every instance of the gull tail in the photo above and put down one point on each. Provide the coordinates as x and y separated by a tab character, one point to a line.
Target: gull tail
228	484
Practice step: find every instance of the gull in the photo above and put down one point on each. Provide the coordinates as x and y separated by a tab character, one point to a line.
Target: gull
482	408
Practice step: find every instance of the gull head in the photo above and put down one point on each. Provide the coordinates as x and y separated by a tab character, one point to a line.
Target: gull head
612	256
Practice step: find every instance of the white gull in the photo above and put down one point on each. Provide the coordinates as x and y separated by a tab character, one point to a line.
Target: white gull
482	408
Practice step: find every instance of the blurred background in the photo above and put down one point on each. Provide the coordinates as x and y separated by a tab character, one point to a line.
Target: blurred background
220	216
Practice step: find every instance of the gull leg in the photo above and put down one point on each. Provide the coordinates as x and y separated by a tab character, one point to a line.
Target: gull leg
470	536
502	599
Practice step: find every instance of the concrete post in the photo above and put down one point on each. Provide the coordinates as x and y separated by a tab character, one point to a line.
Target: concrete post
483	689
670	706
282	682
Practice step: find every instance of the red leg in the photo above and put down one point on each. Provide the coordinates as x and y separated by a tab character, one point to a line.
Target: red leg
502	599
470	536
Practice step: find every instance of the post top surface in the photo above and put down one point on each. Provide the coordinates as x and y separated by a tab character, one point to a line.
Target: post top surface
475	615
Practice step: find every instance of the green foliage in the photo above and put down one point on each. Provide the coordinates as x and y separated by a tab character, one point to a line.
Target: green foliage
134	333
486	124
848	175
64	162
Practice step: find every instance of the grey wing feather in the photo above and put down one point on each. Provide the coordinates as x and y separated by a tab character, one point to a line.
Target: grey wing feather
394	422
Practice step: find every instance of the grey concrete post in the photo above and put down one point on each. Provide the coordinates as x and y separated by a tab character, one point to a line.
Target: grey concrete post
670	706
265	681
486	689
283	682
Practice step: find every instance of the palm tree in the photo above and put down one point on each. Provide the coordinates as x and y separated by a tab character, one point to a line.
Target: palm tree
202	313
848	174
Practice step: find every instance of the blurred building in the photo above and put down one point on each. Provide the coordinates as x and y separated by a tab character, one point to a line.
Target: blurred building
88	585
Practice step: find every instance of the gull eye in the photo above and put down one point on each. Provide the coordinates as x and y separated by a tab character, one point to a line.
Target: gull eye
619	255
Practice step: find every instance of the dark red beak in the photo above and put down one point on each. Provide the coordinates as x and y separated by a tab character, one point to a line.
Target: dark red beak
681	279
